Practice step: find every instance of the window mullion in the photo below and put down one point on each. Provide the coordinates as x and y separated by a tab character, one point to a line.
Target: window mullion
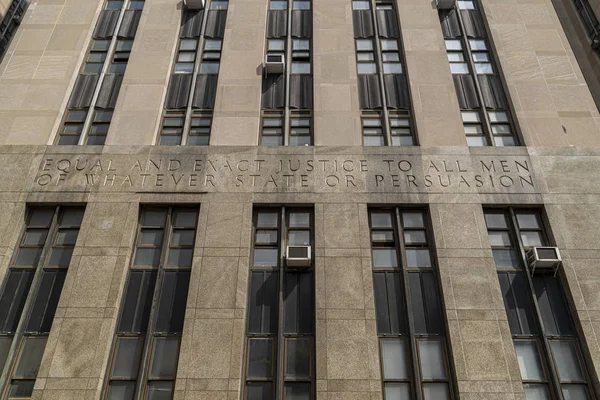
378	57
27	307
416	381
465	40
109	56
288	69
545	342
187	123
140	390
279	379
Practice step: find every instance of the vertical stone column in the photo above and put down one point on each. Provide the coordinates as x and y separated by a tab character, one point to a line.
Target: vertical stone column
432	89
80	341
553	103
210	362
482	349
337	115
141	100
347	352
237	106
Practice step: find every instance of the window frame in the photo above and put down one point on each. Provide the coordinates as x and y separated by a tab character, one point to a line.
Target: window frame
411	338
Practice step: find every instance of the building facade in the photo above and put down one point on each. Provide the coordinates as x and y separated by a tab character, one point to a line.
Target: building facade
158	160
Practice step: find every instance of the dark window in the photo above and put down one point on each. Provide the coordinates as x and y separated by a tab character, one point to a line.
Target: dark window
44	254
90	108
152	315
404	273
271	279
192	88
546	343
484	106
383	91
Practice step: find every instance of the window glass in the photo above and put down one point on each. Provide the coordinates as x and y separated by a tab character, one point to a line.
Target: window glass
299	238
5	342
412	220
528	221
397	390
299	220
566	360
266	257
364	45
470	116
393	353
259	391
127	359
381	220
387	44
180	257
301	5
260	359
459	68
218	5
160	390
30	357
300	68
114	4
535	391
466	5
276	45
435	391
392	68
432	360
212	45
499	238
367	68
164	359
361	5
531	238
121	390
298	358
529	361
495	220
136	5
477	44
188	44
574	392
297	391
414	237
209	68
453	44
506	259
455	57
21	389
484	68
385	258
418	258
278	5
268	220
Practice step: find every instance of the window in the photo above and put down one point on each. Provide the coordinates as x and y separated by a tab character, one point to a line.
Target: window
296	75
192	90
483	102
89	111
44	254
270	279
405	286
300	129
546	342
372	129
152	315
186	56
272	130
383	88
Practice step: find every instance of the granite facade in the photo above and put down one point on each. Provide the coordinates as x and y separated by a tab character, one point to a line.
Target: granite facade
556	171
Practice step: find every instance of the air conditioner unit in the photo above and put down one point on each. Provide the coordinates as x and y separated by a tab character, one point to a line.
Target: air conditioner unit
544	259
298	256
274	63
194	4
